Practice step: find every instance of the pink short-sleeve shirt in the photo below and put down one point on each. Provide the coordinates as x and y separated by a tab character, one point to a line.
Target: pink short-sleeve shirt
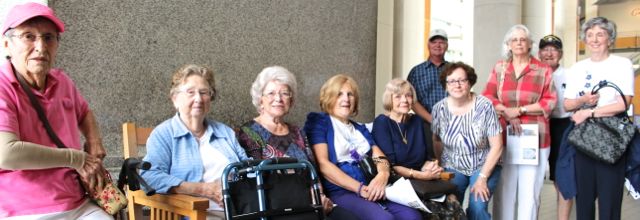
26	192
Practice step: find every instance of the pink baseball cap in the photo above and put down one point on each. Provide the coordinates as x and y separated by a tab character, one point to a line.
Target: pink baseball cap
21	13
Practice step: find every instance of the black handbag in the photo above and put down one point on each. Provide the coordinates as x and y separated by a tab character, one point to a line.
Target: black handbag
368	167
605	138
424	188
369	170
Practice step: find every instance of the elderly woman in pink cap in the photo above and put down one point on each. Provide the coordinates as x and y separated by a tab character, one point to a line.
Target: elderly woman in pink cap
39	175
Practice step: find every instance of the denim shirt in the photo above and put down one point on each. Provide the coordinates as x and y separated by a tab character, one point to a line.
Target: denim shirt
174	152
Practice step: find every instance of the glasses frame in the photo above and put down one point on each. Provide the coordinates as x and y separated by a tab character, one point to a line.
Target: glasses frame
458	81
284	95
191	93
516	40
30	38
550	50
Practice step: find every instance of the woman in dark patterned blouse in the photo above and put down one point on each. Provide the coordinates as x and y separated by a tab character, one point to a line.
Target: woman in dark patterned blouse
268	135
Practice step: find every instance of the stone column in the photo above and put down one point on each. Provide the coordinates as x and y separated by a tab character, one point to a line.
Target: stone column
536	15
492	19
400	41
384	50
567	28
409	31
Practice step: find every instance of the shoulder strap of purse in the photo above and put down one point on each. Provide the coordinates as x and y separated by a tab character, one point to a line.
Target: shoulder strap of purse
605	83
36	105
503	69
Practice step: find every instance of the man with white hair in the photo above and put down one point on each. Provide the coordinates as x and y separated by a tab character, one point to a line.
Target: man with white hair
550	52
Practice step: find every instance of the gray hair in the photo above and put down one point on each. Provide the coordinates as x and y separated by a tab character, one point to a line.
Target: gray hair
276	74
603	23
506	51
180	76
9	32
396	86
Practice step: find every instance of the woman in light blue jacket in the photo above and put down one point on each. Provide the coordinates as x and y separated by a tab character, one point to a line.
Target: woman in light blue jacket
188	152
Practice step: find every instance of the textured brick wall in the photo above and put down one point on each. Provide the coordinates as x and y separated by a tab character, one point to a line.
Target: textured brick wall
121	54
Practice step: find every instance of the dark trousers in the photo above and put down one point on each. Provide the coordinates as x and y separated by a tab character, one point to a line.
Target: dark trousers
340	213
383	210
602	181
428	139
557	127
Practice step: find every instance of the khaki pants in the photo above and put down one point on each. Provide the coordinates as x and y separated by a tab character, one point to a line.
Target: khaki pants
87	211
215	215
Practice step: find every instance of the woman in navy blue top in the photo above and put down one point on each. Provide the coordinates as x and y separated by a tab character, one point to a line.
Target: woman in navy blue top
339	143
400	134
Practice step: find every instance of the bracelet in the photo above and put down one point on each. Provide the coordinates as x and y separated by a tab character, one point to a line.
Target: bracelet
360	189
382	160
411	174
483	176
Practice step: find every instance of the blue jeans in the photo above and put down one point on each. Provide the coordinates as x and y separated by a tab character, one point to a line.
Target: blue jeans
477	208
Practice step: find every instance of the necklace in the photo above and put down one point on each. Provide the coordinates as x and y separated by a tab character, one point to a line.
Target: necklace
403	135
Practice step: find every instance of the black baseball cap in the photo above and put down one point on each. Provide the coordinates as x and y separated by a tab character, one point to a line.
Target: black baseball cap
552	40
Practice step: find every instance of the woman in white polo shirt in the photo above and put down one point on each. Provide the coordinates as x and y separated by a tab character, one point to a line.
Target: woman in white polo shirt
596	179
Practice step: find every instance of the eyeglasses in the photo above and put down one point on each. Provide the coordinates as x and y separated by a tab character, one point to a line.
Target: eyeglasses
283	94
400	96
550	50
522	40
459	82
192	92
29	38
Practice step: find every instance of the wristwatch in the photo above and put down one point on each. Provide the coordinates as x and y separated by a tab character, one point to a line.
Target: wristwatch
523	110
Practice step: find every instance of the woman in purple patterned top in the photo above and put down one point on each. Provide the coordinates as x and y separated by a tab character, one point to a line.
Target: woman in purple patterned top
268	135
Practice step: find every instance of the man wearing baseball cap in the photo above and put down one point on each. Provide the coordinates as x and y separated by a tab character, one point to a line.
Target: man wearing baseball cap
550	53
39	180
424	78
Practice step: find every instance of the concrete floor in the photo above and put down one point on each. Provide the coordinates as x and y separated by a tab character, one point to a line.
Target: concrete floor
548	209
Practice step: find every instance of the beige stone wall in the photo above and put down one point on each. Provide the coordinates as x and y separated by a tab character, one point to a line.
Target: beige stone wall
121	54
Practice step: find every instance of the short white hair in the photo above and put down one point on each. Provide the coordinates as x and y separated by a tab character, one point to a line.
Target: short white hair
273	73
506	51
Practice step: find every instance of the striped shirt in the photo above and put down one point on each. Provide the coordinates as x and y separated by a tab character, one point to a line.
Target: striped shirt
465	138
424	78
534	85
